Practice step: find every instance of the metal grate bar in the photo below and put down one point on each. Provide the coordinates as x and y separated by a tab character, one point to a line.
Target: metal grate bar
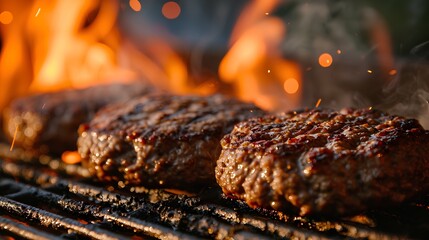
214	229
198	224
23	231
164	215
52	220
174	215
197	220
263	224
173	205
91	211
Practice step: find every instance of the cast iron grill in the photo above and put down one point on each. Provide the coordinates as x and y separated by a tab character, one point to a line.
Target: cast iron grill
45	198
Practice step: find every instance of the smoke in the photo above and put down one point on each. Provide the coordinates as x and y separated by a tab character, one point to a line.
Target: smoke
356	38
408	93
374	61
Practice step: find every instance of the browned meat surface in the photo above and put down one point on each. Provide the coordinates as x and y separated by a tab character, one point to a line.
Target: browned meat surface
325	162
49	122
161	140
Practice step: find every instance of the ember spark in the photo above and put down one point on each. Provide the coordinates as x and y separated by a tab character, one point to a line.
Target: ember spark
318	102
38	11
325	60
13	141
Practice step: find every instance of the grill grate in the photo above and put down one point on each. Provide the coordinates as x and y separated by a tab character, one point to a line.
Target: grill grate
39	203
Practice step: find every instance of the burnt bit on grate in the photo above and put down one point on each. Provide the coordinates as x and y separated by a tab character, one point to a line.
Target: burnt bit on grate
41	200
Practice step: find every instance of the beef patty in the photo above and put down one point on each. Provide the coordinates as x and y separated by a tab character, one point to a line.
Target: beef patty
49	122
161	140
325	162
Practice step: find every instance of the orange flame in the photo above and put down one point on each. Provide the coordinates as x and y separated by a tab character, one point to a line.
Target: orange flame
256	47
14	60
53	45
78	50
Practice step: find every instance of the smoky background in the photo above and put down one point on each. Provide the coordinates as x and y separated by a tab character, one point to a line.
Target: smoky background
280	54
379	49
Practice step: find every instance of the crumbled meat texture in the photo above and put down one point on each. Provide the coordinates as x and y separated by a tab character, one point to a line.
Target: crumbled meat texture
48	123
161	140
325	162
